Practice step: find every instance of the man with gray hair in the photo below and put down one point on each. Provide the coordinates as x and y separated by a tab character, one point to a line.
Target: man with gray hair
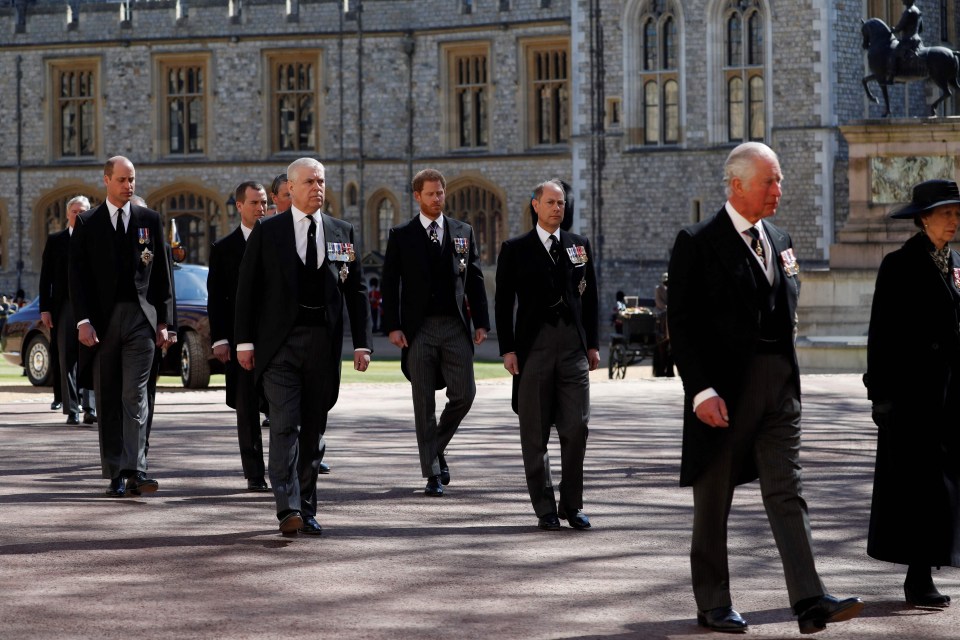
733	318
299	269
57	315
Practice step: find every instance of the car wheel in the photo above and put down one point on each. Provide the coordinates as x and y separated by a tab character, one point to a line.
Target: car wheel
194	365
36	361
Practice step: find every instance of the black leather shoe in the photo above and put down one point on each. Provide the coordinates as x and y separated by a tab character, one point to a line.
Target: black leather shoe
265	423
579	520
444	470
73	419
116	488
139	484
723	619
311	527
89	417
324	468
813	614
926	596
549	522
434	488
291	523
258	484
55	406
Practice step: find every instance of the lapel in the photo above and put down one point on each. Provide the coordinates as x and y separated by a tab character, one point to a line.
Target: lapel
732	255
332	233
538	252
287	250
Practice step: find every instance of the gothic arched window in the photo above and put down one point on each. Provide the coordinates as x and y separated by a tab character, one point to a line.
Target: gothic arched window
743	70
653	72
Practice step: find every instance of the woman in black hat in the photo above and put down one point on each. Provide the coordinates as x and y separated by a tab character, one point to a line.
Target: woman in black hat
913	379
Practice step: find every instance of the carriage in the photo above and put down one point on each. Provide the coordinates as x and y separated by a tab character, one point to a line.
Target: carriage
639	330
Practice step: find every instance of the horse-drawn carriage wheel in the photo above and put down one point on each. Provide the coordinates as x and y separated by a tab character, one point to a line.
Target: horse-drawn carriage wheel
618	362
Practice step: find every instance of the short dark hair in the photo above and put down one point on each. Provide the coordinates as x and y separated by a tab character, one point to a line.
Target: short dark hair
240	194
279	180
427	175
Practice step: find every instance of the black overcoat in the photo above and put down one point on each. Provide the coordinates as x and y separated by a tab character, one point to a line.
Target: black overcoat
913	362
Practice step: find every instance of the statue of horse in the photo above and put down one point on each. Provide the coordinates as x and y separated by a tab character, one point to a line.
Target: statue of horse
939	64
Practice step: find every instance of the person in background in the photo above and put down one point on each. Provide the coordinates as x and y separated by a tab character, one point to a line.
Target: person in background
913	381
280	194
376	299
56	313
662	356
550	345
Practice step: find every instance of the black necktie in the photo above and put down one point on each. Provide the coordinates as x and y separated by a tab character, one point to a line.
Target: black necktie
756	245
554	248
121	232
312	244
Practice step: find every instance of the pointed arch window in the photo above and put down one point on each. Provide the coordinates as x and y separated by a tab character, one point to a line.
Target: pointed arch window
743	69
198	221
386	215
483	210
653	73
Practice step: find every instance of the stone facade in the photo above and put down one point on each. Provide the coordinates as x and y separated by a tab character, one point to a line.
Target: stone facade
631	209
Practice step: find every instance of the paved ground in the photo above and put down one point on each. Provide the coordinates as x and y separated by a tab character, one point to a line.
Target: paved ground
202	558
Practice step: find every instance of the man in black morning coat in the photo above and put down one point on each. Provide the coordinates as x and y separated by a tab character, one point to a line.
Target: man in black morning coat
550	348
122	297
733	298
242	395
299	271
432	292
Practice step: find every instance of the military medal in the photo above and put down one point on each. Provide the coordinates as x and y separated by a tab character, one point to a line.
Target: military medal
143	235
577	254
344	272
461	246
956	278
789	262
146	256
583	286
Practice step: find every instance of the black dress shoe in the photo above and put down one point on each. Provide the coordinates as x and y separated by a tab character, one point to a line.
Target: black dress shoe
116	488
444	470
723	619
324	468
813	614
89	417
258	484
579	520
56	405
139	484
291	523
311	527
549	522
73	419
434	488
265	423
925	596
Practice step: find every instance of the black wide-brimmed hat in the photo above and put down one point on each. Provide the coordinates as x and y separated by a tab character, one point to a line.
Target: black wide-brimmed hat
928	195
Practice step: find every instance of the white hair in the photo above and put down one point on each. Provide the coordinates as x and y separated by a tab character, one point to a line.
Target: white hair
81	199
741	163
302	163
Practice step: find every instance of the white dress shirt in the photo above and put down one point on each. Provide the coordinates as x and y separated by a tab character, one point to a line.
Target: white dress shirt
425	221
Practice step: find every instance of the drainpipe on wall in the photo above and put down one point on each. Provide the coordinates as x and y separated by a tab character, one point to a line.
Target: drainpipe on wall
409	47
19	176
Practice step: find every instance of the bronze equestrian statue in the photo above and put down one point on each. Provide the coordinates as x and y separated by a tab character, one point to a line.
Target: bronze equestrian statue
891	60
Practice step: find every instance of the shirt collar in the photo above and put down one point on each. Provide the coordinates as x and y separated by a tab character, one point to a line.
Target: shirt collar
425	221
246	232
113	210
298	215
740	223
545	235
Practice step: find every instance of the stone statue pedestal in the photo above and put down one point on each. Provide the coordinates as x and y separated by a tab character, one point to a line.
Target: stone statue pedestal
888	157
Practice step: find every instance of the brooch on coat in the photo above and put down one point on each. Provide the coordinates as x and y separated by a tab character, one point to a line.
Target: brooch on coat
143	238
577	254
341	252
789	262
462	247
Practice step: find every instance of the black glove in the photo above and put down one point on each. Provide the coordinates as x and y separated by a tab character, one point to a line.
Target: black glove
882	414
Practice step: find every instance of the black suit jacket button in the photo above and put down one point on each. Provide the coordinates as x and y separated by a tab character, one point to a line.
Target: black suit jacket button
935	346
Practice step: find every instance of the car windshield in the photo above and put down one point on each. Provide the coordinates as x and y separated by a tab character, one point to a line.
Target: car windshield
191	284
